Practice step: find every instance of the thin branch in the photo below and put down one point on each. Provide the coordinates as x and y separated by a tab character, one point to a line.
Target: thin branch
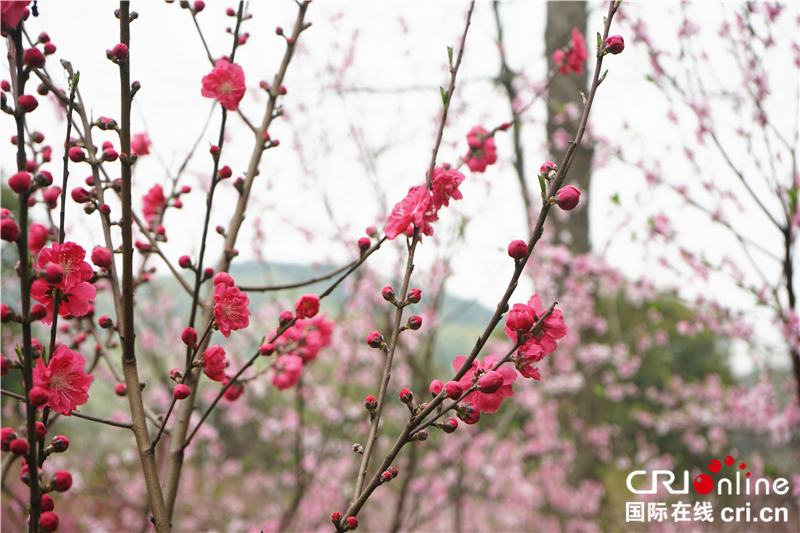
73	413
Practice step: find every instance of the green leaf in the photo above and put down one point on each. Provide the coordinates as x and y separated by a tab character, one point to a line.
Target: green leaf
75	80
445	97
583	96
603	77
793	198
615	198
599	40
450	55
542	186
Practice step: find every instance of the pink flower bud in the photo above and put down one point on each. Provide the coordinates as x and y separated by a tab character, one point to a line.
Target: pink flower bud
120	389
62	481
51	196
266	349
7	435
176	374
335	517
110	155
414	322
28	103
186	189
393	471
44	178
38	312
105	322
30	166
230	12
363	244
101	256
41	431
189	337
60	443
615	44
282	89
371	403
225	172
224	278
199	5
490	382
520	318
388	294
18	447
472	417
9	231
414	296
20	182
54	273
185	261
548	167
504	126
567	198
386	477
352	522
49	521
285	317
6	313
76	154
120	51
436	387
406	396
207	273
453	390
5	86
181	392
39	396
47	503
421	435
278	31
307	306
80	195
450	425
518	249
375	340
233	392
49	49
33	57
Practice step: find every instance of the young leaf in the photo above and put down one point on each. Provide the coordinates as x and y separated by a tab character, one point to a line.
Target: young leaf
450	55
445	96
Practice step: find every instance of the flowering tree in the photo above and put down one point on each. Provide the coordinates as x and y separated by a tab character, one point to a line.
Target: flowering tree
276	380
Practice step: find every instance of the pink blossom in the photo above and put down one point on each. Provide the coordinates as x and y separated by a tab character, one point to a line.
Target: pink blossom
415	210
520	318
544	336
287	371
575	56
482	150
74	300
230	310
37	238
140	144
13	12
445	186
307	306
64	379
153	202
225	83
214	363
482	401
68	256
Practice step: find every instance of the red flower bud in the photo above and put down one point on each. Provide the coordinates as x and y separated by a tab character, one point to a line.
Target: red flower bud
20	182
175	374
47	503
4	366
386	477
453	390
436	387
278	31
76	154
181	392
60	443
38	312
120	389
225	172
421	435
186	189
230	12
80	195
33	57
5	86
363	244
414	296
375	340
199	5
49	521
567	198
388	294
6	436
518	249
414	322
406	396
225	279
62	481
393	471
371	403
352	522
266	349
520	318
51	196
615	44
548	167
120	51
54	273
28	103
189	337
9	231
185	261
281	90
450	425
285	317
18	447
490	382
39	396
335	517
101	256
472	418
49	49
105	322
6	313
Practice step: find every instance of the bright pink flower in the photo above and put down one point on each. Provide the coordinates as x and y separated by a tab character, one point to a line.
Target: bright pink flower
568	197
153	202
140	144
37	238
307	306
287	371
307	337
214	363
575	56
13	12
74	300
520	318
64	379
544	336
101	256
482	401
415	210
225	83
234	391
225	279
445	186
482	150
68	256
615	44
231	309
9	231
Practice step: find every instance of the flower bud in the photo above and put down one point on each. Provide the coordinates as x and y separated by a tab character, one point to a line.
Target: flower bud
33	57
615	44
62	481
567	198
285	317
547	168
7	435
450	425
80	195
49	49
490	382
44	178
59	443
414	296
76	154
54	273
6	313
47	503
189	337
181	392
453	390
176	374
421	435
4	366
278	31
518	249
406	396
28	103
388	294
225	172
38	312
20	182
120	389
363	244
436	387
5	86
208	273
520	318
352	522
18	447
120	51
9	231
105	322
335	517
472	417
266	349
371	403
185	261
357	448
39	396
49	521
282	89
386	477
375	340
199	5
393	471
101	256
414	322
